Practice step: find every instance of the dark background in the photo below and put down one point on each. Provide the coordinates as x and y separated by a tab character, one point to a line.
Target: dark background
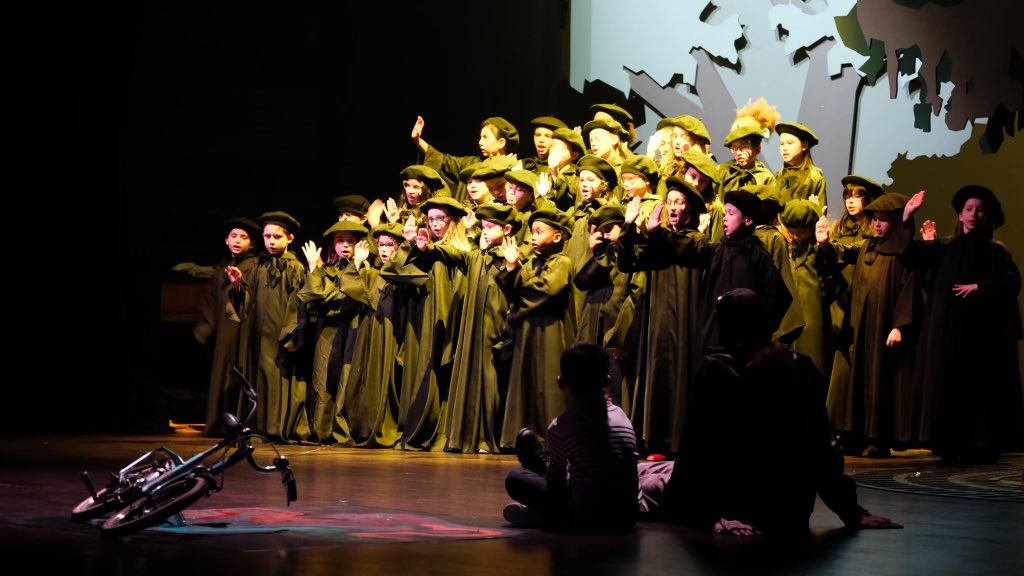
176	117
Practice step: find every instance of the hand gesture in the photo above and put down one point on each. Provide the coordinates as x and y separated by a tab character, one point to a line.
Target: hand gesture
703	221
821	230
374	212
417	128
409	232
362	252
312	254
556	156
391	211
872	522
422	239
234	274
633	210
510	250
814	198
962	290
654	220
653	144
894	339
469	220
543	185
912	205
595	237
928	230
734	528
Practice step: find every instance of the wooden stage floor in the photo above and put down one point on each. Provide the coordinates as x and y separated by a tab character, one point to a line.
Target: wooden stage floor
40	484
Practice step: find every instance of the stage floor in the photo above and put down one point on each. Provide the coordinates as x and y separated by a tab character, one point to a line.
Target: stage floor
390	512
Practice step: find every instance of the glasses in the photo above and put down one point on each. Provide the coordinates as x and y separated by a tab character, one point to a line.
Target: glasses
675	203
735	148
441	219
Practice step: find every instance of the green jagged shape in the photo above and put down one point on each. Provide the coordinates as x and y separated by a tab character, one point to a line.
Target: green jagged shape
851	34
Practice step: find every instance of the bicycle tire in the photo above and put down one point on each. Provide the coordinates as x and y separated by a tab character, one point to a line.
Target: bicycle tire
153	508
105	501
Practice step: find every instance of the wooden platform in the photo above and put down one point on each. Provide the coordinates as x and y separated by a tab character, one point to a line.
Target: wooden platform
40	484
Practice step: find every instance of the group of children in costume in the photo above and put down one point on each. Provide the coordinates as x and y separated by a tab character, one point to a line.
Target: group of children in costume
437	320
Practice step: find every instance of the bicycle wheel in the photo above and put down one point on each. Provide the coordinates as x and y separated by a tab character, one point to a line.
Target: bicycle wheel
105	501
157	506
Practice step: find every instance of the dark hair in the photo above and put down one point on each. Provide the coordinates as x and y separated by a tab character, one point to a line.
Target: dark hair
743	319
584	369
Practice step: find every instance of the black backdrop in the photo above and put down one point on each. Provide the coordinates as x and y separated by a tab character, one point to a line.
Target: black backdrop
178	116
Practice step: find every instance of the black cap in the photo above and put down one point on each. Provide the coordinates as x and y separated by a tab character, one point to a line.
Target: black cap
743	317
746	202
874	189
608	124
617	112
351	204
608	215
993	207
282	219
242	223
751	131
499	214
887	203
693	199
523	178
773	199
553	217
703	164
505	130
346	226
599	166
799	130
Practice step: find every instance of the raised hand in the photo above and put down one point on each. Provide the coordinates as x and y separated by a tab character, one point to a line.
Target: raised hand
633	210
928	230
653	144
234	274
409	232
510	250
543	185
595	237
417	128
821	230
362	252
391	211
654	220
912	205
469	220
374	212
422	239
312	254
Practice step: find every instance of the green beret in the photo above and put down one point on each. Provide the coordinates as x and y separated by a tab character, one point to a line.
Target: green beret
351	204
346	226
499	214
553	217
644	167
608	215
446	203
800	214
394	229
425	174
993	207
693	198
694	126
486	170
746	202
799	130
599	166
752	131
572	139
282	219
548	122
605	124
242	223
703	164
772	197
505	130
874	189
887	203
523	178
617	112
